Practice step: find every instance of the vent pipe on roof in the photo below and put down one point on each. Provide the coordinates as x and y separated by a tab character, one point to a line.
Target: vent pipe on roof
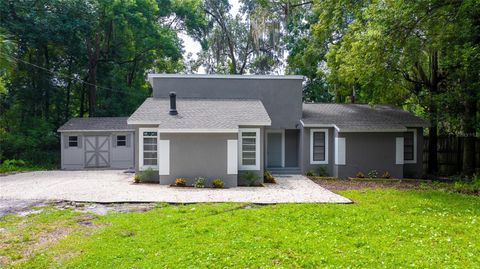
173	103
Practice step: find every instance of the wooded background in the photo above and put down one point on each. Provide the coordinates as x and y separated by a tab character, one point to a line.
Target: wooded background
82	58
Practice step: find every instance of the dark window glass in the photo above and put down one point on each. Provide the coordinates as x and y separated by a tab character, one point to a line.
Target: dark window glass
319	146
408	147
73	141
121	140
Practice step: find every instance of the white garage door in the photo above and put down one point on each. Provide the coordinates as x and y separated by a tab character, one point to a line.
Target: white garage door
97	151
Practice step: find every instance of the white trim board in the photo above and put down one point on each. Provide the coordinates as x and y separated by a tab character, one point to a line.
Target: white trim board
311	146
372	130
232	157
207	76
399	150
340	151
94	131
321	125
198	130
282	131
163	157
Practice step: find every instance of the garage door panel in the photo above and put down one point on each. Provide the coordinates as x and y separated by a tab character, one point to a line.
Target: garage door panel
90	143
103	143
90	159
97	151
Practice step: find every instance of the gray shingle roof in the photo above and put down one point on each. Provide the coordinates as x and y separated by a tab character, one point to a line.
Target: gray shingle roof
96	124
204	114
360	117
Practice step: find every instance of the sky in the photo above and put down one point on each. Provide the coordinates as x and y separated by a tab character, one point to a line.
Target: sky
193	47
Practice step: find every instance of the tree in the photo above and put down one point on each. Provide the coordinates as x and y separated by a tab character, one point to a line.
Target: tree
392	52
79	58
244	43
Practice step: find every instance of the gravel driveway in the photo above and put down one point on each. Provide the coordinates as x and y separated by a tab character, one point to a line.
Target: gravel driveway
107	186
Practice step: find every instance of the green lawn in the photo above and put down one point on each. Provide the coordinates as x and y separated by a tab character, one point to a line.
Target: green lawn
384	228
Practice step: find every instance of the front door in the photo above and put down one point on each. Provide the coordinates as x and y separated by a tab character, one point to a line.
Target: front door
97	151
274	149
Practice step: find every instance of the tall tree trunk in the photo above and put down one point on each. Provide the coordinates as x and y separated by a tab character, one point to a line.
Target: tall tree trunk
69	86
469	121
432	84
47	83
432	138
93	57
82	101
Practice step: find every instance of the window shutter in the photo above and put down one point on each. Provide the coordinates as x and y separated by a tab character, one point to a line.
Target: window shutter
79	141
128	138
114	141
65	141
399	150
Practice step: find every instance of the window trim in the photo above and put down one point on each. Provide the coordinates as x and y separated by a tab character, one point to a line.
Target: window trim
257	149
141	166
414	147
312	131
76	141
124	140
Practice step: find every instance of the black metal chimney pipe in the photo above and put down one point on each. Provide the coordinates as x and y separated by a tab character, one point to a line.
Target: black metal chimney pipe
173	103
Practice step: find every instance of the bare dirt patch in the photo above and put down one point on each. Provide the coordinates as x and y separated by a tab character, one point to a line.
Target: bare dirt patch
23	243
349	184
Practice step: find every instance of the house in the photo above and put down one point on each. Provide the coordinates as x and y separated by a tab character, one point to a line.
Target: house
218	126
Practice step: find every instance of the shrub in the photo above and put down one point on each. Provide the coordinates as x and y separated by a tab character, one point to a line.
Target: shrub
19	165
467	185
148	175
136	178
250	177
373	174
267	177
217	183
199	182
180	182
386	174
360	174
322	171
310	173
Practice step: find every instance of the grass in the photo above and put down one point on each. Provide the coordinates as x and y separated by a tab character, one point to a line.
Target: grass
384	228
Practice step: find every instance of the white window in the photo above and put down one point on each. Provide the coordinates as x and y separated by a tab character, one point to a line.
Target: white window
148	148
73	141
249	149
319	146
410	146
121	140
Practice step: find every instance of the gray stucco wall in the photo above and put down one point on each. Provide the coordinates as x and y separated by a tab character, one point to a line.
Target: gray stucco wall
292	148
282	98
305	153
182	157
193	155
73	158
370	151
122	157
415	170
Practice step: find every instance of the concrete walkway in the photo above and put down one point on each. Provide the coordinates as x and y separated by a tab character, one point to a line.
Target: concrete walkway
107	186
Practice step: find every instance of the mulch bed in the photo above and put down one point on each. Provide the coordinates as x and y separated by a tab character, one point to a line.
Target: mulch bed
353	184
